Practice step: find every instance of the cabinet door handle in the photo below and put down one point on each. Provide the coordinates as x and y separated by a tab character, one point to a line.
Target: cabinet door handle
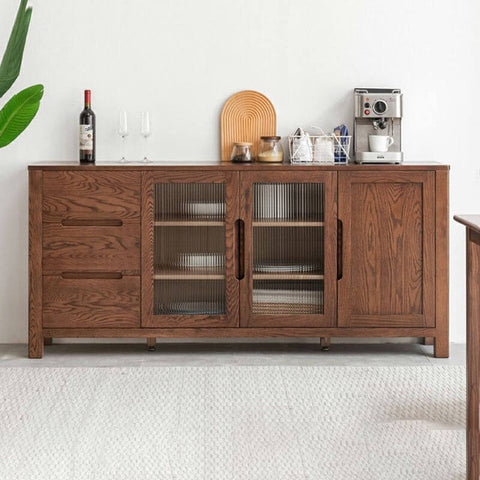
240	249
92	275
91	223
339	249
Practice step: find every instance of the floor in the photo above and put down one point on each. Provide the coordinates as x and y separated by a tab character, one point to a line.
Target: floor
238	353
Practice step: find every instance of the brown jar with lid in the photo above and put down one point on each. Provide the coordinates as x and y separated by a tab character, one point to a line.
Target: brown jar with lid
242	152
271	150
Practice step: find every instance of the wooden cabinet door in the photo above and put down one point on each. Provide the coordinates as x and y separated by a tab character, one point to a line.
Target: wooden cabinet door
289	233
388	243
188	249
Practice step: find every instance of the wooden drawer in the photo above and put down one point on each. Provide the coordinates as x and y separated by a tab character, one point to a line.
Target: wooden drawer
91	302
90	195
90	248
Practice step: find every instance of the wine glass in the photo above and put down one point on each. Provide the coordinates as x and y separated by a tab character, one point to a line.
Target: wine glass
146	131
123	131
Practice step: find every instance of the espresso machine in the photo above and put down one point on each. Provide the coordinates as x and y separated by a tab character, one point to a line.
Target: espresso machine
378	111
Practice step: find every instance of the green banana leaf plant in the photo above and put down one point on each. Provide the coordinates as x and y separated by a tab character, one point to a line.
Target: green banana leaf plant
20	110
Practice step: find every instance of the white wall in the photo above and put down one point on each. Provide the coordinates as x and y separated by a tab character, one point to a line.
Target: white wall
181	59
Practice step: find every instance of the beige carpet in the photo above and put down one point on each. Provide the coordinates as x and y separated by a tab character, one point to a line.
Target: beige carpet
232	423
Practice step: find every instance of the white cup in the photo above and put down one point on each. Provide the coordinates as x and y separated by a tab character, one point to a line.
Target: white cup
380	143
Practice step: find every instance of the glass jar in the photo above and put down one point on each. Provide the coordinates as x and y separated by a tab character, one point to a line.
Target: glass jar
242	152
271	150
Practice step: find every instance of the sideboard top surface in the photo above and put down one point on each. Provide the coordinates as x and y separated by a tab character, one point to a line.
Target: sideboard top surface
214	165
470	221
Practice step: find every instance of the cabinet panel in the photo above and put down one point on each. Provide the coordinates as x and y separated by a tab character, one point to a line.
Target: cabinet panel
90	195
91	302
290	240
80	248
189	260
388	249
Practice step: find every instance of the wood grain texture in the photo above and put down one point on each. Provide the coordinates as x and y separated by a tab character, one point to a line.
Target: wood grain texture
35	336
216	166
90	195
85	303
246	116
91	248
247	317
234	332
442	274
473	354
149	319
388	250
107	198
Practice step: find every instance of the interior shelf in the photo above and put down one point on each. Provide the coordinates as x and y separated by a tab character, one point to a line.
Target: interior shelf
189	223
188	275
287	223
288	276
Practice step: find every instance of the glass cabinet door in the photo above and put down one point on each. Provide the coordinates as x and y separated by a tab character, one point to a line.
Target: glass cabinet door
290	266
188	221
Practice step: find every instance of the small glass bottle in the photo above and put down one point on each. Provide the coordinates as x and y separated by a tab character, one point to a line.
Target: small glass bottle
271	150
242	152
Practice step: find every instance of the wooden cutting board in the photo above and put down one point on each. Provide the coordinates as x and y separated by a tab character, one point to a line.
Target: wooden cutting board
246	116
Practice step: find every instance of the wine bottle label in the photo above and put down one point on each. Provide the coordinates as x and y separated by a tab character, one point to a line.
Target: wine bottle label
86	137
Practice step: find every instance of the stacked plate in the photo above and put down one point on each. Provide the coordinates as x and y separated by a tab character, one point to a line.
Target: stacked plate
286	268
205	261
303	297
205	209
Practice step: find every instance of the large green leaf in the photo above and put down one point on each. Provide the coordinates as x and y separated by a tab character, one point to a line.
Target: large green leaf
12	58
18	112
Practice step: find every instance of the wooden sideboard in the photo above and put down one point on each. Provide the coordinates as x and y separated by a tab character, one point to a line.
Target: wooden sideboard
472	224
228	250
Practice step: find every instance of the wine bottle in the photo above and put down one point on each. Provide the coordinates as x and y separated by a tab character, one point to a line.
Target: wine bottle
87	131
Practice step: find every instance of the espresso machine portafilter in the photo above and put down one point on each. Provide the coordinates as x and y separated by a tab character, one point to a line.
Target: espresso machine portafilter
378	111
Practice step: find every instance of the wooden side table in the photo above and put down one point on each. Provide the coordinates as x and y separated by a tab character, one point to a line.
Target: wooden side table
472	224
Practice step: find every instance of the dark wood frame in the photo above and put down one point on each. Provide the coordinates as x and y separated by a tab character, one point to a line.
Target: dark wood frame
40	334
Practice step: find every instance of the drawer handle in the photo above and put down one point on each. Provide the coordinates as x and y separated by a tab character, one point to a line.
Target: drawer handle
92	275
92	223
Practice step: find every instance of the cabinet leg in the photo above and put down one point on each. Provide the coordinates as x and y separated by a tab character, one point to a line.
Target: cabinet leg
428	340
441	347
47	341
151	344
325	343
35	344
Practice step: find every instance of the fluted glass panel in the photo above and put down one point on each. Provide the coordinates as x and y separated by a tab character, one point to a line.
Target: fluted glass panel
287	297
288	201
190	297
189	248
288	248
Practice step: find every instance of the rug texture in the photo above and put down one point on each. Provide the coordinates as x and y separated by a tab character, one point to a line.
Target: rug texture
232	423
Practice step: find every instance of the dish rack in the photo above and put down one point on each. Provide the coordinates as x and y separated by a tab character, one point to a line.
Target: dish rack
323	149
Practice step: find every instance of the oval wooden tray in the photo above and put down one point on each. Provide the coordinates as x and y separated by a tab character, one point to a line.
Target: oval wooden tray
246	116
